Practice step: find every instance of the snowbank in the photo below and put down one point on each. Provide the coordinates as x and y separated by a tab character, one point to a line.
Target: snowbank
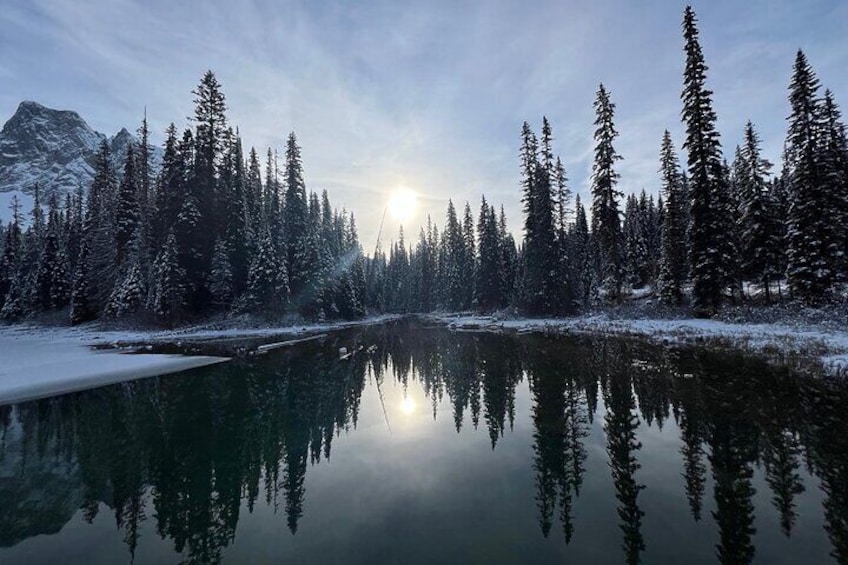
829	346
201	333
37	362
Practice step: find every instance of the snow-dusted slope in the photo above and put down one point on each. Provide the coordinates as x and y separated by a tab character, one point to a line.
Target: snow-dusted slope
54	148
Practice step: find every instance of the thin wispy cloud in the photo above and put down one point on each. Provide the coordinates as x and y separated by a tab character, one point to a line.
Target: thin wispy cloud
429	95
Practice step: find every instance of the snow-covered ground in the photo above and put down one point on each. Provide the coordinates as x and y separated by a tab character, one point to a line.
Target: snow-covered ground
830	346
37	361
203	333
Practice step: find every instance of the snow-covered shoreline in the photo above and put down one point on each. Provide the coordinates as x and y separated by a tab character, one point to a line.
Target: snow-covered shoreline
828	346
42	361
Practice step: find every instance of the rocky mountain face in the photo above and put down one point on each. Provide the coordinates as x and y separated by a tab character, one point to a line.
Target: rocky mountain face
54	148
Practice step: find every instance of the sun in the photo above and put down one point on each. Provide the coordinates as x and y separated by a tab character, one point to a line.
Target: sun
407	406
402	204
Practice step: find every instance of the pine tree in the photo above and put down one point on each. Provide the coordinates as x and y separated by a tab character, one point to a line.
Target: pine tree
82	305
673	261
127	211
580	253
238	235
758	237
267	281
169	296
272	206
488	283
810	273
99	229
453	244
561	202
130	292
11	257
170	188
427	268
295	219
606	226
15	302
541	286
32	250
46	259
312	301
255	195
221	276
469	257
352	290
834	162
189	252
75	214
52	285
509	261
210	140
727	202
145	190
704	160
635	244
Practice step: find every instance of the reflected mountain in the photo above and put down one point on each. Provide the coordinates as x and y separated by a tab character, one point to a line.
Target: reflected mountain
188	456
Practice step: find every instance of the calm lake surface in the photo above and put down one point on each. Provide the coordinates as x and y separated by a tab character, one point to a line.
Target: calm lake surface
434	447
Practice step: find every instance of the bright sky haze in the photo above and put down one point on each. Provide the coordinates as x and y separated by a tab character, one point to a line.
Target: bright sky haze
429	95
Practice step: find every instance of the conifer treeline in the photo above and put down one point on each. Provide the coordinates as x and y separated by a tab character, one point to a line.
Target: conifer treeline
209	234
714	227
206	234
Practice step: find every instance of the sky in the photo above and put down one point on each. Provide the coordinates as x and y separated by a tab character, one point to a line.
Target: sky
426	95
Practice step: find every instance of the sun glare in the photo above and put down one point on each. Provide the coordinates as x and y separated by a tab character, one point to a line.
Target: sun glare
402	204
407	406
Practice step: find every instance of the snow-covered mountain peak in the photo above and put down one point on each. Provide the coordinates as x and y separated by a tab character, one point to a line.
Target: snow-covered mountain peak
54	148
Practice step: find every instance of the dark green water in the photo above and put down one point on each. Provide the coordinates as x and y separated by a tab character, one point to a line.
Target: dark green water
436	448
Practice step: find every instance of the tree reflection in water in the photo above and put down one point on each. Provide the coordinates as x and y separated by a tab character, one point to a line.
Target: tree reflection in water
190	453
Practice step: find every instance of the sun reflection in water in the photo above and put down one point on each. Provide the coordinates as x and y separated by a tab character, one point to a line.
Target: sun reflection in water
407	406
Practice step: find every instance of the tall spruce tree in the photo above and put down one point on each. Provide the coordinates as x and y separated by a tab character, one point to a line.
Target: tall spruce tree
469	257
727	203
635	243
673	260
82	305
509	260
810	272
488	272
606	222
541	283
833	150
211	139
99	229
239	228
295	219
704	161
453	244
146	199
170	188
128	218
759	241
580	253
11	256
221	276
169	296
267	280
